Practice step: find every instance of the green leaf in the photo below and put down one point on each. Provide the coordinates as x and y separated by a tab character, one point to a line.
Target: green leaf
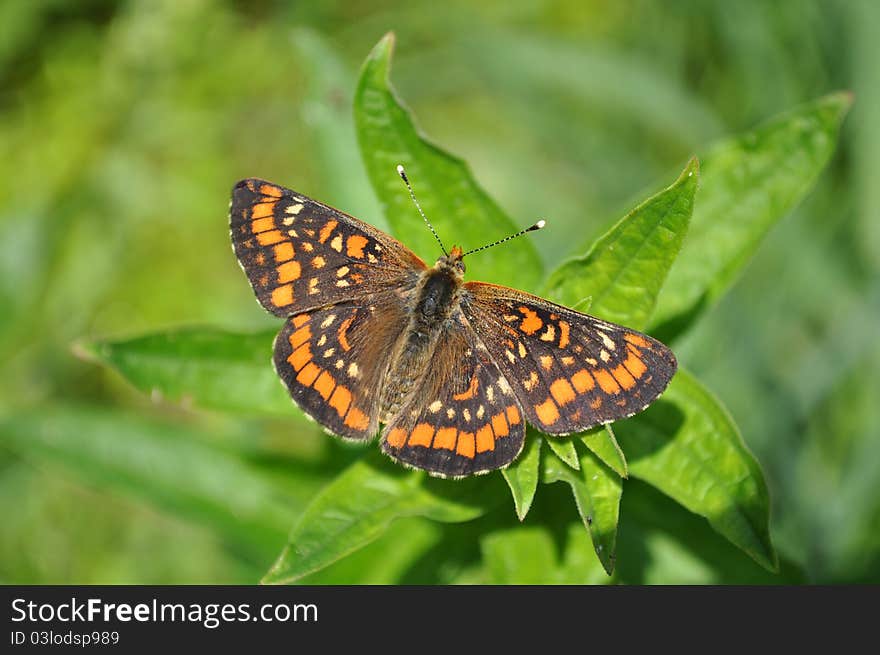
564	449
625	268
206	367
603	444
361	502
523	556
522	475
597	491
168	466
458	208
662	543
749	183
687	446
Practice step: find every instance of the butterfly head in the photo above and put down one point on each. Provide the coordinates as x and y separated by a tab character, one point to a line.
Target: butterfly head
452	263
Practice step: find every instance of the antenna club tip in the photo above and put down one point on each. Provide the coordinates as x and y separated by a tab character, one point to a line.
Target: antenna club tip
400	171
540	224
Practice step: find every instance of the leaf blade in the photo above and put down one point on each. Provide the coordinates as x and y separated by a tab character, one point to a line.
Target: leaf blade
604	446
749	183
687	446
597	492
358	506
522	476
625	269
449	195
211	368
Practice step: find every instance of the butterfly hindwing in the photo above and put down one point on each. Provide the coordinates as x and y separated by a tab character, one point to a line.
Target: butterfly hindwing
300	254
464	418
333	361
570	371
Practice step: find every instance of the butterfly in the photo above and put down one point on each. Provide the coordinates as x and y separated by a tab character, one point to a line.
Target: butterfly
453	370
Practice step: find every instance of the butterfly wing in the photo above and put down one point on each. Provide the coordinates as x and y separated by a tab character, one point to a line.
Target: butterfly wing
463	418
343	285
333	361
300	254
570	371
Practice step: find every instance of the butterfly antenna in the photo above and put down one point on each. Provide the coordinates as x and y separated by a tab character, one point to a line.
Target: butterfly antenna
536	226
412	195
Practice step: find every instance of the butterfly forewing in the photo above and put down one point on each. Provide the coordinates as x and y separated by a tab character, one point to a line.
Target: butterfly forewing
300	254
463	418
570	371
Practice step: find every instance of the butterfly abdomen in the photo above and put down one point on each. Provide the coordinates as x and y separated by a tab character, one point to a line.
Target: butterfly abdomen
432	304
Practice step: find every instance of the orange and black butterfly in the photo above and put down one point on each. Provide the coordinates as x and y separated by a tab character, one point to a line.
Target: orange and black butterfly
452	369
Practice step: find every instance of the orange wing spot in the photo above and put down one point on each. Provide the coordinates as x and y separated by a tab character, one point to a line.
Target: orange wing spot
563	334
300	319
513	415
470	392
421	435
324	384
546	362
445	438
635	365
596	403
340	400
283	252
308	374
466	446
624	379
354	247
260	259
262	224
327	230
300	336
583	381
357	419
270	190
300	357
318	262
270	238
264	280
397	437
485	440
606	381
341	336
289	271
499	425
262	210
531	323
637	340
562	392
547	412
282	296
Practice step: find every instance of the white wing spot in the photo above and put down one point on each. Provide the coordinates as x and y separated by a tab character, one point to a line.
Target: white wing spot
466	413
294	209
481	411
342	271
549	333
607	341
342	283
450	413
510	356
353	370
322	340
435	406
328	321
604	355
329	352
336	244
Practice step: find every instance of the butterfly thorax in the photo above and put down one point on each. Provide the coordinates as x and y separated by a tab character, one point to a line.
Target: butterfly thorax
434	302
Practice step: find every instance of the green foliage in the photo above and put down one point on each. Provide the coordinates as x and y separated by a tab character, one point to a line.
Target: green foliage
116	227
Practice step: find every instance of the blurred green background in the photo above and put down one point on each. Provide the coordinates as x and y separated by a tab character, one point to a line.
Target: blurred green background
125	124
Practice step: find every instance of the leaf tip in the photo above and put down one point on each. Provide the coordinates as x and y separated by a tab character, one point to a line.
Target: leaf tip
86	351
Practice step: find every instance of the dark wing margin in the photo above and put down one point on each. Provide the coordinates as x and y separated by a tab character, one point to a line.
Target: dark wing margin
299	254
569	370
463	418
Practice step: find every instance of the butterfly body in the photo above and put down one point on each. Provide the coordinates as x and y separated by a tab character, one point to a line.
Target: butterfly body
452	369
